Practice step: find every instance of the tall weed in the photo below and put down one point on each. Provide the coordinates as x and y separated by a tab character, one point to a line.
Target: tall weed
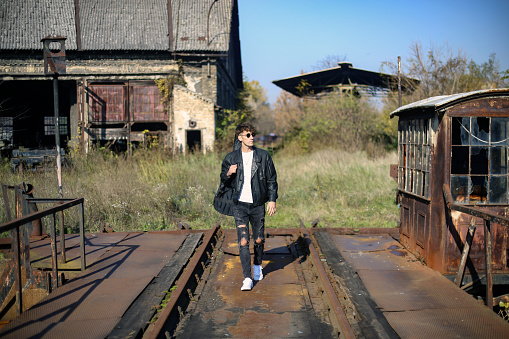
155	190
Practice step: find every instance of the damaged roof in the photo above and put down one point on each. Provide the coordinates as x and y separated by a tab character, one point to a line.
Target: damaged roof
119	24
443	101
345	74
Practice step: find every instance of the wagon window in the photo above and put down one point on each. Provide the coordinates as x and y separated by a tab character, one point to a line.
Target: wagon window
414	156
479	160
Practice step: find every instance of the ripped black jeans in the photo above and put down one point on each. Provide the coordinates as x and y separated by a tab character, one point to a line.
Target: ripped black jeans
246	214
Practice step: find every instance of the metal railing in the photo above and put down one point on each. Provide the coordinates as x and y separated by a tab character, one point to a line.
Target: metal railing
488	250
14	227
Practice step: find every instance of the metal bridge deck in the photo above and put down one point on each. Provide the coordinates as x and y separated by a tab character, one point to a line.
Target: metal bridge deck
276	307
416	301
388	287
90	305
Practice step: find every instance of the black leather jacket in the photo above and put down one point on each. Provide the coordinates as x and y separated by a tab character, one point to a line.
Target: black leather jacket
263	176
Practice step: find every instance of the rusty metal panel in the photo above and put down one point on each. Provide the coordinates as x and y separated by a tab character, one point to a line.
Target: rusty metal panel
96	246
107	103
413	289
151	241
102	293
78	330
54	60
437	323
417	301
146	104
363	242
482	107
458	229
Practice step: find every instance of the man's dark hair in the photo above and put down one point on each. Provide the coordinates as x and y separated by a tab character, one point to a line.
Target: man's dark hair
244	127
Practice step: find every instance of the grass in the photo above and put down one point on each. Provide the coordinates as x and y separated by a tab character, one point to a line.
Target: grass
154	190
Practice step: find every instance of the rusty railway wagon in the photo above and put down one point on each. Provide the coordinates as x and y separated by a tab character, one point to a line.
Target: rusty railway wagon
453	180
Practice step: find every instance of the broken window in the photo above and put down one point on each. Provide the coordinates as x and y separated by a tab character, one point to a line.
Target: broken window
49	125
414	156
6	130
479	160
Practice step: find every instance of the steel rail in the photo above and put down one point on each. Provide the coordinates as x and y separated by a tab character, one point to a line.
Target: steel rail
169	316
336	305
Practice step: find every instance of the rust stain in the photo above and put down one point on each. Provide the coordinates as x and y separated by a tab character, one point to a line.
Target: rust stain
263	325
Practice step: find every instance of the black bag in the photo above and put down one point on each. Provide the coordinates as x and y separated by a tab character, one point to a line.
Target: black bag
223	200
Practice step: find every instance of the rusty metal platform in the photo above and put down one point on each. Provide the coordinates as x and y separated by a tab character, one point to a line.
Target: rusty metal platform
90	305
96	244
276	307
416	301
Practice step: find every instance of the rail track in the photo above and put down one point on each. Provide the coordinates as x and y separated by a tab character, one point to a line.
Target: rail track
204	302
318	283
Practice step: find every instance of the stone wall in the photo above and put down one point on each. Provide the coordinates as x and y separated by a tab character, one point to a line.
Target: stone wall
192	111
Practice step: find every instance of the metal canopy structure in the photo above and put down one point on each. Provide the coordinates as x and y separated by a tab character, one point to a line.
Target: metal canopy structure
343	75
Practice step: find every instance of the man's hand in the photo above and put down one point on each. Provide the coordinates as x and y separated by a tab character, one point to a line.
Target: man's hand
271	208
233	169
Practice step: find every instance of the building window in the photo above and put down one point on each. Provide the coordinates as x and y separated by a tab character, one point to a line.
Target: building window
414	156
49	125
106	103
146	103
479	160
6	130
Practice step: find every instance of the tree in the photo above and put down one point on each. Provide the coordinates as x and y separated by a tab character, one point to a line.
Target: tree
441	71
257	101
329	61
287	112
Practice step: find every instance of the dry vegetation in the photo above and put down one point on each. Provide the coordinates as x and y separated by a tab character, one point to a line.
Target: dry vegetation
154	190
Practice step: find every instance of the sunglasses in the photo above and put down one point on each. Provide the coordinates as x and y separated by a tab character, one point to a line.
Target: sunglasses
248	135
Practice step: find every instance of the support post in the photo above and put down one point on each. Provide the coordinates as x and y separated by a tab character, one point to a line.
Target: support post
57	135
489	269
466	251
54	260
82	236
399	81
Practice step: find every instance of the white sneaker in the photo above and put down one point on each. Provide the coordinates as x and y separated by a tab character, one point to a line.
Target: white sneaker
247	284
257	272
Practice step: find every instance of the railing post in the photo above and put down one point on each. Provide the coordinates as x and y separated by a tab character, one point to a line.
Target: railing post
489	270
54	260
6	202
17	258
62	236
82	236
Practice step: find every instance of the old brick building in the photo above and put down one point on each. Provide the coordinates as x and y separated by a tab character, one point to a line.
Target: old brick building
115	52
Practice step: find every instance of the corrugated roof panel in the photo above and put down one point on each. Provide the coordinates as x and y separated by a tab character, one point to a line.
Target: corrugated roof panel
190	25
441	101
24	23
124	25
118	24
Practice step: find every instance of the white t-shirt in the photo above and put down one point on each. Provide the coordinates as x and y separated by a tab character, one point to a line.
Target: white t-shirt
245	194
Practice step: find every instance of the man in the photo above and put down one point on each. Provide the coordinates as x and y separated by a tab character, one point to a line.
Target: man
250	172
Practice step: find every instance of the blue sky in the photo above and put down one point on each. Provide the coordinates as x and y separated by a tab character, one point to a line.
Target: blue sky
279	38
